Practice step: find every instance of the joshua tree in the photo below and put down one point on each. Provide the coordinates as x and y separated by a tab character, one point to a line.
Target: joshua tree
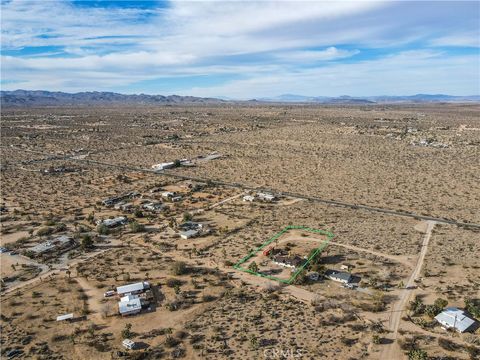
253	267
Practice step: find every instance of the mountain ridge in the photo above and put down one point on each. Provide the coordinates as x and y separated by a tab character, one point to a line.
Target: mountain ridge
32	98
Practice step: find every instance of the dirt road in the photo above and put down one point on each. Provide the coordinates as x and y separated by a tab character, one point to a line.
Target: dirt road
392	351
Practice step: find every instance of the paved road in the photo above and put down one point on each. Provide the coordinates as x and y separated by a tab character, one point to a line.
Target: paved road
392	351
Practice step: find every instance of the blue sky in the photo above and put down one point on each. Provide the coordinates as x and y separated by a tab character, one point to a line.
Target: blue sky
242	49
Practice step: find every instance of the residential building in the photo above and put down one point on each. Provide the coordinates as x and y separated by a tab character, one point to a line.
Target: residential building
289	261
121	220
59	243
249	198
163	166
339	276
129	305
455	318
151	206
135	288
266	197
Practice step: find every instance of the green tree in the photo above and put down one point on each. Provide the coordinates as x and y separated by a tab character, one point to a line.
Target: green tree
179	268
102	229
87	241
253	267
187	216
432	310
126	332
441	303
136	227
417	354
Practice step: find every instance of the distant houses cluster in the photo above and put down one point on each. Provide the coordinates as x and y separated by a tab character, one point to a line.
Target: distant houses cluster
260	196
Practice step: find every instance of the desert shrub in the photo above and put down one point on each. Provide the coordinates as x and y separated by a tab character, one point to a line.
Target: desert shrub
170	341
179	268
473	307
87	241
208	298
448	344
417	354
44	231
102	229
126	332
136	227
172	282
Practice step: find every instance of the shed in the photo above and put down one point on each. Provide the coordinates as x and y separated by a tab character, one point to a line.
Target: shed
189	234
65	317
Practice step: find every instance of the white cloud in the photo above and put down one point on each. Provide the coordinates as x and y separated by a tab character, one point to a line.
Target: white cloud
331	53
267	42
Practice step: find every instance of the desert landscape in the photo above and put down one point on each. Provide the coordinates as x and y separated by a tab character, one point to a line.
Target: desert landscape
121	228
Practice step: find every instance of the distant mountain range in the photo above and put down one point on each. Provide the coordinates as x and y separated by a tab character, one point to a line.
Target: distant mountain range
419	98
27	98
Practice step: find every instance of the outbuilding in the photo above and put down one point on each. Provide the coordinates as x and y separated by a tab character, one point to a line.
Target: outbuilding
189	234
135	288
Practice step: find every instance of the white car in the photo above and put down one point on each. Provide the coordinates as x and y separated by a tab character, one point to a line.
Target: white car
109	293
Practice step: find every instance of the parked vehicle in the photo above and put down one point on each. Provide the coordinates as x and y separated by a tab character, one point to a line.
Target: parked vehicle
109	293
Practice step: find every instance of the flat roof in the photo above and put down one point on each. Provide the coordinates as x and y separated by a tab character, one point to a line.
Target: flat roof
129	306
133	287
50	244
65	317
189	233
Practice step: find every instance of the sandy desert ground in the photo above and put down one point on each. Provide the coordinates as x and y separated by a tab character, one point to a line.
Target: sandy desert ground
417	165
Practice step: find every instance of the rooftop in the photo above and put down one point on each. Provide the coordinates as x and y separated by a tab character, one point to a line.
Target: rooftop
456	318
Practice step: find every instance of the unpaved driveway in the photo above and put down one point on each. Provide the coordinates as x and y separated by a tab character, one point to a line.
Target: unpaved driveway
392	351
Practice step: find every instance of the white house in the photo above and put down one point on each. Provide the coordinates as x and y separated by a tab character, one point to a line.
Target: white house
249	198
266	197
129	305
339	276
455	318
113	222
153	206
168	194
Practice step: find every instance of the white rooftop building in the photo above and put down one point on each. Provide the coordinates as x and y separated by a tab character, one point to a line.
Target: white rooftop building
129	305
266	196
65	317
133	288
189	234
455	318
163	166
248	198
113	222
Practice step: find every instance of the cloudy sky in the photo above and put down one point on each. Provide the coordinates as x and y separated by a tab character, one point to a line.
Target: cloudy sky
242	49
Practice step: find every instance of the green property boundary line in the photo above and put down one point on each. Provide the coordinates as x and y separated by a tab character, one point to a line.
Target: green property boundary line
292	278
